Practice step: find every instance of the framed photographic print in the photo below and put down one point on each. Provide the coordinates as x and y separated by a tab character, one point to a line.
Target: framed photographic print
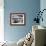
17	19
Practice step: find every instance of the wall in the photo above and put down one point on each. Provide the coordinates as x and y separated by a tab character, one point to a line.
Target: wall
43	6
30	7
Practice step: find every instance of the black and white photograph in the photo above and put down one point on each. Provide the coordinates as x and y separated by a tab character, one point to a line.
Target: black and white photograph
17	18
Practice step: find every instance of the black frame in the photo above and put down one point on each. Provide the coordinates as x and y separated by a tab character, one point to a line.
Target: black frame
23	14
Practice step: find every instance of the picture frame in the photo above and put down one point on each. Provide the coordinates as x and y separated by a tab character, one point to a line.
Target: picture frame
17	19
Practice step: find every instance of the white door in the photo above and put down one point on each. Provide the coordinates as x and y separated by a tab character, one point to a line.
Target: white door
1	21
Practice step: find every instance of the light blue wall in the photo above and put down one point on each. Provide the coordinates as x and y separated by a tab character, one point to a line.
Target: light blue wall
30	7
43	6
